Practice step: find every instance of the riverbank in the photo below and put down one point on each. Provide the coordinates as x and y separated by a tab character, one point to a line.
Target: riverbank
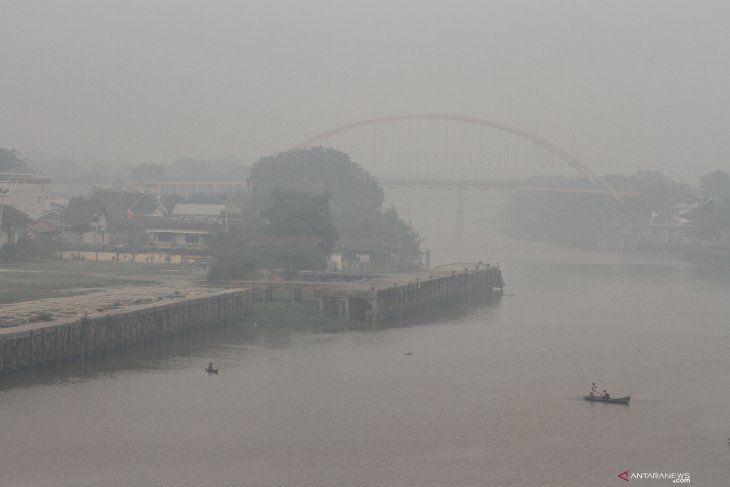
40	343
35	332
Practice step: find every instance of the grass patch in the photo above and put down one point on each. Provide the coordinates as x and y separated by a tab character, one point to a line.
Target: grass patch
26	281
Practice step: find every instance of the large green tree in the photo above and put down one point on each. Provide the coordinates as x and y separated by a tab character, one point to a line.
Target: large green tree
356	201
298	213
234	257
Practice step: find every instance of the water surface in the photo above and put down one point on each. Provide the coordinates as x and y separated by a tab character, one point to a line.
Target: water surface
492	397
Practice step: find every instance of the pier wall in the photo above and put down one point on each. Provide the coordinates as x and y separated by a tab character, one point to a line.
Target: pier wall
435	294
40	343
421	295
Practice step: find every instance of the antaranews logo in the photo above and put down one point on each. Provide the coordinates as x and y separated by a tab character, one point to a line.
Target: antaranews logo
675	477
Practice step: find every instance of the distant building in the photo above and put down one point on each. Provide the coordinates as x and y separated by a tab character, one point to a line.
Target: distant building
683	213
29	193
360	255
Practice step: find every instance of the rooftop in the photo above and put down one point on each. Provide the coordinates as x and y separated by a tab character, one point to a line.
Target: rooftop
191	209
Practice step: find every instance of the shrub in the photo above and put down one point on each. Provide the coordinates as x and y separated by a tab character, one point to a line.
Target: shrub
45	316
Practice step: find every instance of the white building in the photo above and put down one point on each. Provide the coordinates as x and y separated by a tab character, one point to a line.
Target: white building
29	193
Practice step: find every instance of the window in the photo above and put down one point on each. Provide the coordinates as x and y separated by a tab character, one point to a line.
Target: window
164	237
192	239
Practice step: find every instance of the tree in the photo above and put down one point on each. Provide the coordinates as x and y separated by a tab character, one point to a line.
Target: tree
297	213
717	185
11	159
656	191
234	257
712	217
582	218
356	203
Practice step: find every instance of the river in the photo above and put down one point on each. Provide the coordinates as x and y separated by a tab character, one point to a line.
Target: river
492	397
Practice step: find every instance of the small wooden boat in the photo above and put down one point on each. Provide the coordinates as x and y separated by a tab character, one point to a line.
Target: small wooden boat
615	400
211	370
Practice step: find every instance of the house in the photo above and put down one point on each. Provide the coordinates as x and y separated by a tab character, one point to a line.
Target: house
121	205
669	233
84	223
360	254
198	212
180	235
53	216
116	205
29	192
109	217
46	231
14	224
683	213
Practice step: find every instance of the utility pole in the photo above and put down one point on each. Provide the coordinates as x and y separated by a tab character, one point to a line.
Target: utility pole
3	192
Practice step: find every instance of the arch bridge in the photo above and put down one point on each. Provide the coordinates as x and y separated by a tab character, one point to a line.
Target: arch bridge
448	151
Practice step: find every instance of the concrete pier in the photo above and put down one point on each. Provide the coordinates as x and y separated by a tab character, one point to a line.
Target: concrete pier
36	344
385	297
423	293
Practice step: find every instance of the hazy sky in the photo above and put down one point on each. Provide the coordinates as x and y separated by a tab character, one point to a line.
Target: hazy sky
622	84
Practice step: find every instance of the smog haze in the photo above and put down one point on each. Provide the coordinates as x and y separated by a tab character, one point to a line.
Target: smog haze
623	85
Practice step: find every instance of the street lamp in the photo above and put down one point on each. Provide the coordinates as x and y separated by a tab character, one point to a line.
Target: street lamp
3	192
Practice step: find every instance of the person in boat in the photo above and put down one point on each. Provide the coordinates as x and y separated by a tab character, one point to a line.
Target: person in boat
209	367
594	391
605	395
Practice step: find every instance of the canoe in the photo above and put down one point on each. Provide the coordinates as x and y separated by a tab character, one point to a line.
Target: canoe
615	400
211	371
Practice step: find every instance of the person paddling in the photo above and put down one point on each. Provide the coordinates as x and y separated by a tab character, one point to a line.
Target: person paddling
594	391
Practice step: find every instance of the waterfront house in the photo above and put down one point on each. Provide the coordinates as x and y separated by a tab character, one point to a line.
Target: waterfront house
180	235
